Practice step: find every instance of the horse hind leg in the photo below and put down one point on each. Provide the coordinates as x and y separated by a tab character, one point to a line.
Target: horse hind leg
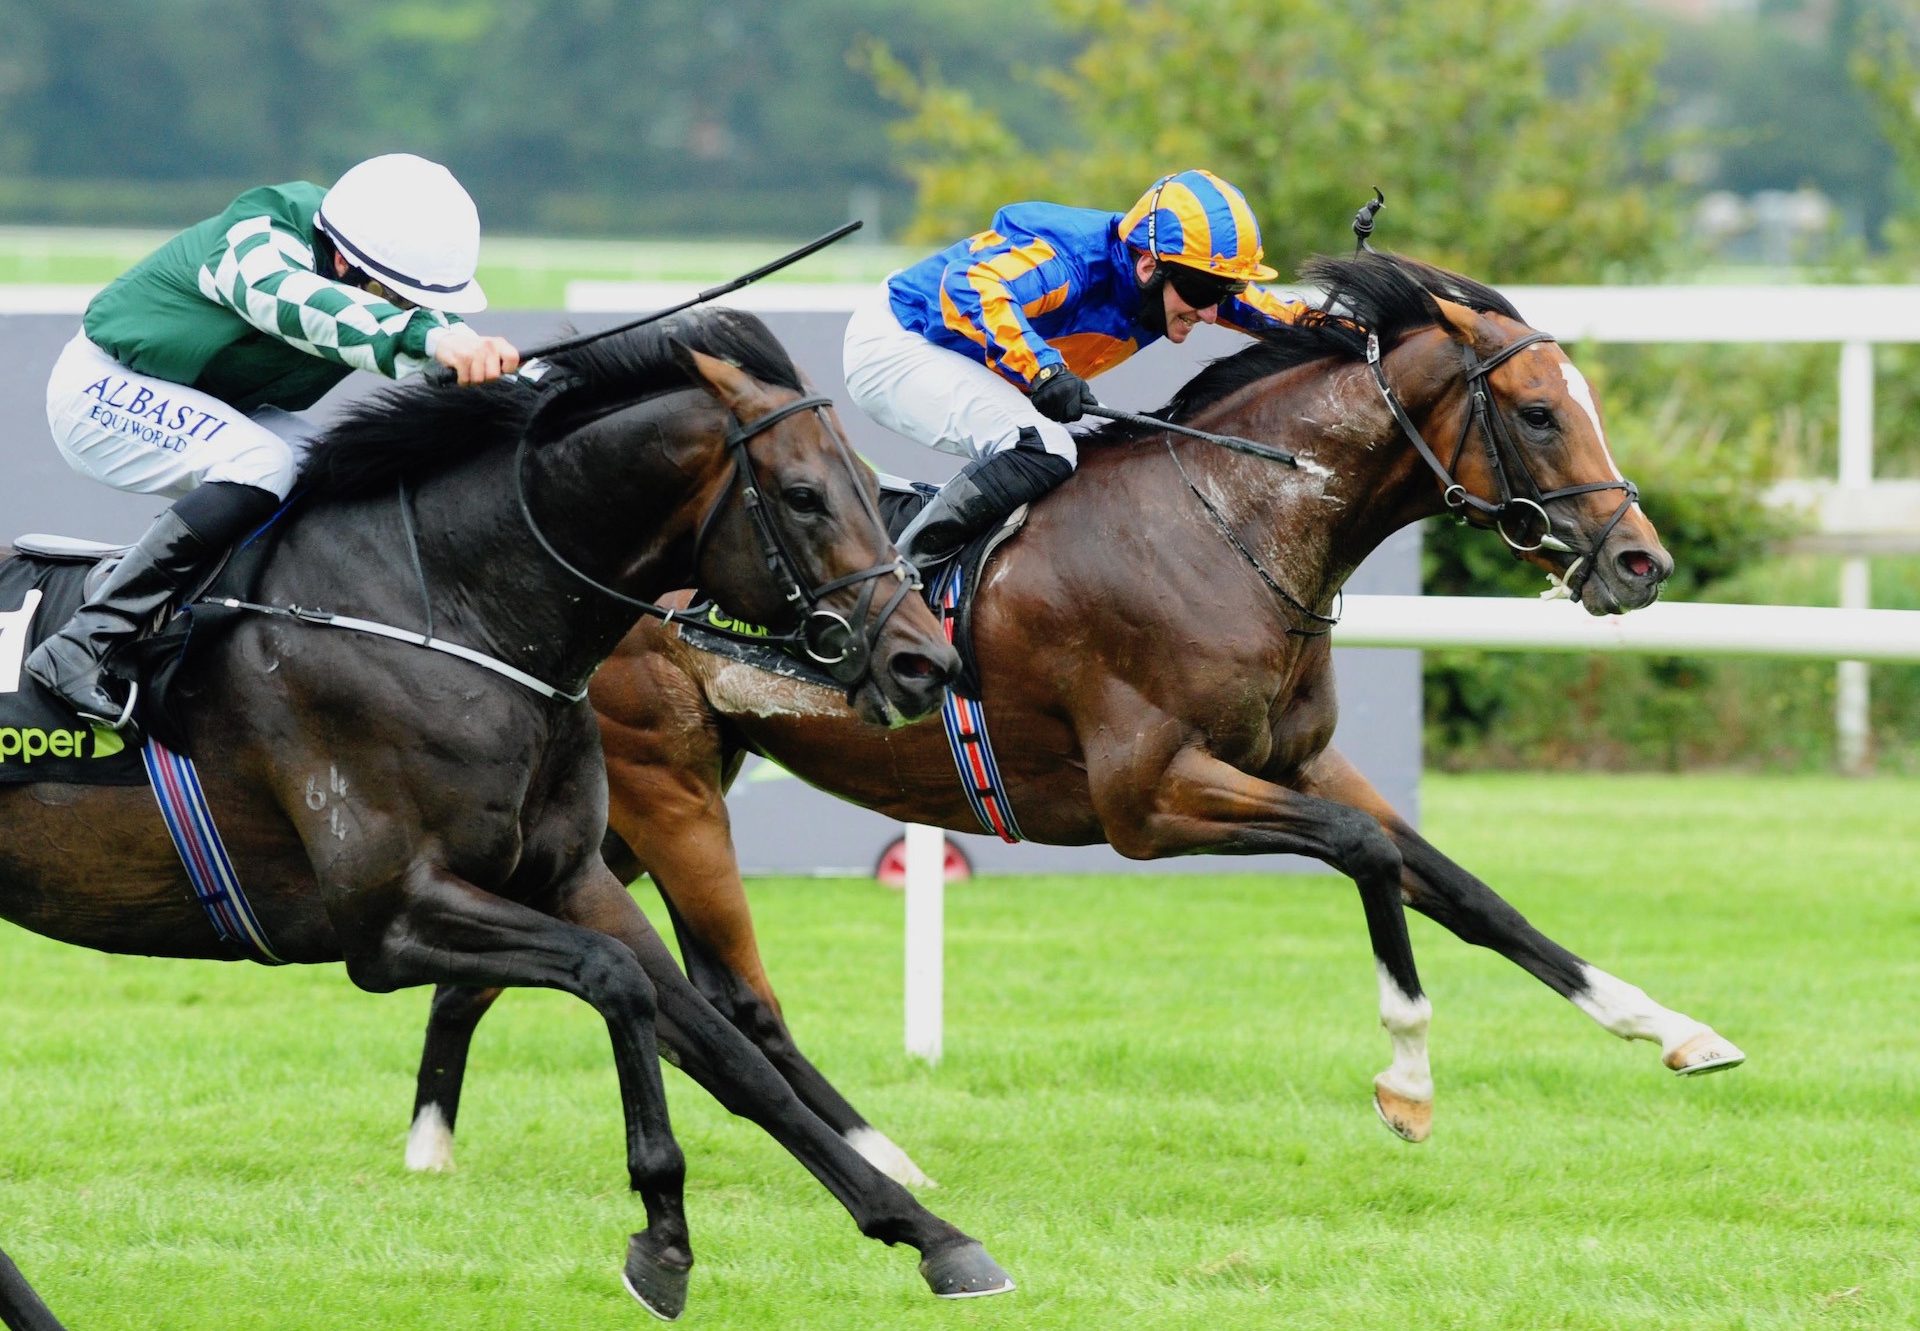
451	1021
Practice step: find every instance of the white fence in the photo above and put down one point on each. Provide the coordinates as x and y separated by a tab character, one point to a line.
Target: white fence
1854	513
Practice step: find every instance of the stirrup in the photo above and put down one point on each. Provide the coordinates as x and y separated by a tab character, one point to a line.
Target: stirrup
124	721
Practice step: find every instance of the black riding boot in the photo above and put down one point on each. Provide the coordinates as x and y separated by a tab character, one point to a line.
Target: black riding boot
984	492
180	542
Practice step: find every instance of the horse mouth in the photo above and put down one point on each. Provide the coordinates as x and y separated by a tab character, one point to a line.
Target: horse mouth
1625	581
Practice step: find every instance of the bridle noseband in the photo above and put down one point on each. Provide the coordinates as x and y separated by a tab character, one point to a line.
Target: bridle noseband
1499	448
826	636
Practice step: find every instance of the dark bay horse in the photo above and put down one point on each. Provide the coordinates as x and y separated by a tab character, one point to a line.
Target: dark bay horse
1155	665
427	818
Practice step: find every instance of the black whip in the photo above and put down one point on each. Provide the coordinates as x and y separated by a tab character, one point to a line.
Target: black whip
441	375
1234	442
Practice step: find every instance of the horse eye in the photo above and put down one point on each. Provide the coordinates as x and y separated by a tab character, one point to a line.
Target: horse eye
804	499
1538	417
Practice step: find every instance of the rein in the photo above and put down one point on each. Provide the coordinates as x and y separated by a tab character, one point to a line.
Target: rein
1499	443
1233	539
821	630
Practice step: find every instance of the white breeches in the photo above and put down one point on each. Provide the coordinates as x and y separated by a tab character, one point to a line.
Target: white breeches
138	433
934	396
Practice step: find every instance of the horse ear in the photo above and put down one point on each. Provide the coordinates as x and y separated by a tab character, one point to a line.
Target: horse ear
735	388
1462	324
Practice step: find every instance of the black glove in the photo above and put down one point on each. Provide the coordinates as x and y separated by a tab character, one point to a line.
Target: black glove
1061	395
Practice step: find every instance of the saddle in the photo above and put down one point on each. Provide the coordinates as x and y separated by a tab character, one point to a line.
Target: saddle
948	592
49	577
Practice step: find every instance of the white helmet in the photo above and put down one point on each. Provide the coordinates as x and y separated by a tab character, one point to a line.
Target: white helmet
406	222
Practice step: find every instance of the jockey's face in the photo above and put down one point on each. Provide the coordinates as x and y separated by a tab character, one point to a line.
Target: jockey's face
373	286
1181	317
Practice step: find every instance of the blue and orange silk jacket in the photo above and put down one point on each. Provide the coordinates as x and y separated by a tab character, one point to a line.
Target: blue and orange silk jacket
1047	285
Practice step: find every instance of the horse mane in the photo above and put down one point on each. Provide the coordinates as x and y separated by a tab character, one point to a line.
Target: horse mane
1387	295
415	429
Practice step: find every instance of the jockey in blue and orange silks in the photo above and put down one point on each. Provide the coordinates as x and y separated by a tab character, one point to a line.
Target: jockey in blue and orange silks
984	348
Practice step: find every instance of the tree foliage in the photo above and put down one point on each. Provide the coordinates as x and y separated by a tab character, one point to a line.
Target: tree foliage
1488	167
583	116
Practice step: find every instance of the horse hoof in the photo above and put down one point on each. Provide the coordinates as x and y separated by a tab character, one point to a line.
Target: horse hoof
964	1271
658	1283
1411	1120
1709	1051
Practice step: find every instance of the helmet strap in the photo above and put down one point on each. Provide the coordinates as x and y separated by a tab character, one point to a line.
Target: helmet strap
1152	314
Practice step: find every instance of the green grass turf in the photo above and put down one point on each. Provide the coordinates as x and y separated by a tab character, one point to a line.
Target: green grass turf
1153	1107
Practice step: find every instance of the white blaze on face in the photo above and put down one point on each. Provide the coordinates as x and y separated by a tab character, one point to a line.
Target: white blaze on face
1580	392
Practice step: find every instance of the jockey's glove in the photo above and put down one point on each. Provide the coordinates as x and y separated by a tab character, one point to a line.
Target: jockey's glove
1061	395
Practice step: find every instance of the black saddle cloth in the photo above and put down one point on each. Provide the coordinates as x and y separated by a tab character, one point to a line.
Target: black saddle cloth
92	754
41	739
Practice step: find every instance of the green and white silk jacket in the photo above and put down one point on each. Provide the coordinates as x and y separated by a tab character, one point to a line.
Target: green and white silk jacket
233	307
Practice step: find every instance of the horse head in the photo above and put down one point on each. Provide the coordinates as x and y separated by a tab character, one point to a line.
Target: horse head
1509	427
795	502
1554	492
680	454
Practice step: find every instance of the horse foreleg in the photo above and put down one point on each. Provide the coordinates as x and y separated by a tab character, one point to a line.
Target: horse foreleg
436	927
708	1048
20	1308
1440	889
668	815
456	1011
1199	804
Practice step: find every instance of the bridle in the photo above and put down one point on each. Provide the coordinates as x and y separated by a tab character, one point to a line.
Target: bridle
825	635
1527	500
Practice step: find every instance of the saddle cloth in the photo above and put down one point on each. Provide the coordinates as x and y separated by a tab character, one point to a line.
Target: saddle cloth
40	737
41	586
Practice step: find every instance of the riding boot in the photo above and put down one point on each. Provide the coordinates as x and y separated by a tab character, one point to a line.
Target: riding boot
984	492
181	541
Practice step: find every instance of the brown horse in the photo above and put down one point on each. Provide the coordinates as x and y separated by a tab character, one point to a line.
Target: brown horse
1155	664
437	817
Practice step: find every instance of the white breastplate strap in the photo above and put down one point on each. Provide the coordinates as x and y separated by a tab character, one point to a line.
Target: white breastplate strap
327	619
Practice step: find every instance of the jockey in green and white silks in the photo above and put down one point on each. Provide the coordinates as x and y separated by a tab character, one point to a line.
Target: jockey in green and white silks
983	348
187	370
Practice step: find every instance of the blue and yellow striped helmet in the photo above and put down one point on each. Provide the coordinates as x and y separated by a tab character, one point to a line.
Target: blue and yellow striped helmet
1197	219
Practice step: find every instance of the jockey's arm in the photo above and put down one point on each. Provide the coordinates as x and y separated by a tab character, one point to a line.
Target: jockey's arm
991	296
265	275
1259	308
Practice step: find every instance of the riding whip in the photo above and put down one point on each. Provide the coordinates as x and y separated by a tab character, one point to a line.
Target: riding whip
1234	442
442	376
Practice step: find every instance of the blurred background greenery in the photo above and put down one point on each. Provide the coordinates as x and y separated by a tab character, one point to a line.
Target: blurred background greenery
1519	141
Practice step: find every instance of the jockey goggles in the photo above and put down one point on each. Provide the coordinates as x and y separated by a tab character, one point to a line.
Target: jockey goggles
1200	289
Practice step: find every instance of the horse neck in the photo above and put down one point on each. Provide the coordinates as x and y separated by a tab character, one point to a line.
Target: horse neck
619	500
1358	479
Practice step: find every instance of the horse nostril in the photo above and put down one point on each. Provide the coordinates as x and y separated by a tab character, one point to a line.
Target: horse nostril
914	667
1638	564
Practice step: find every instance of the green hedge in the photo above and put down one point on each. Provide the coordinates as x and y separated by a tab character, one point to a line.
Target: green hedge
1703	431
